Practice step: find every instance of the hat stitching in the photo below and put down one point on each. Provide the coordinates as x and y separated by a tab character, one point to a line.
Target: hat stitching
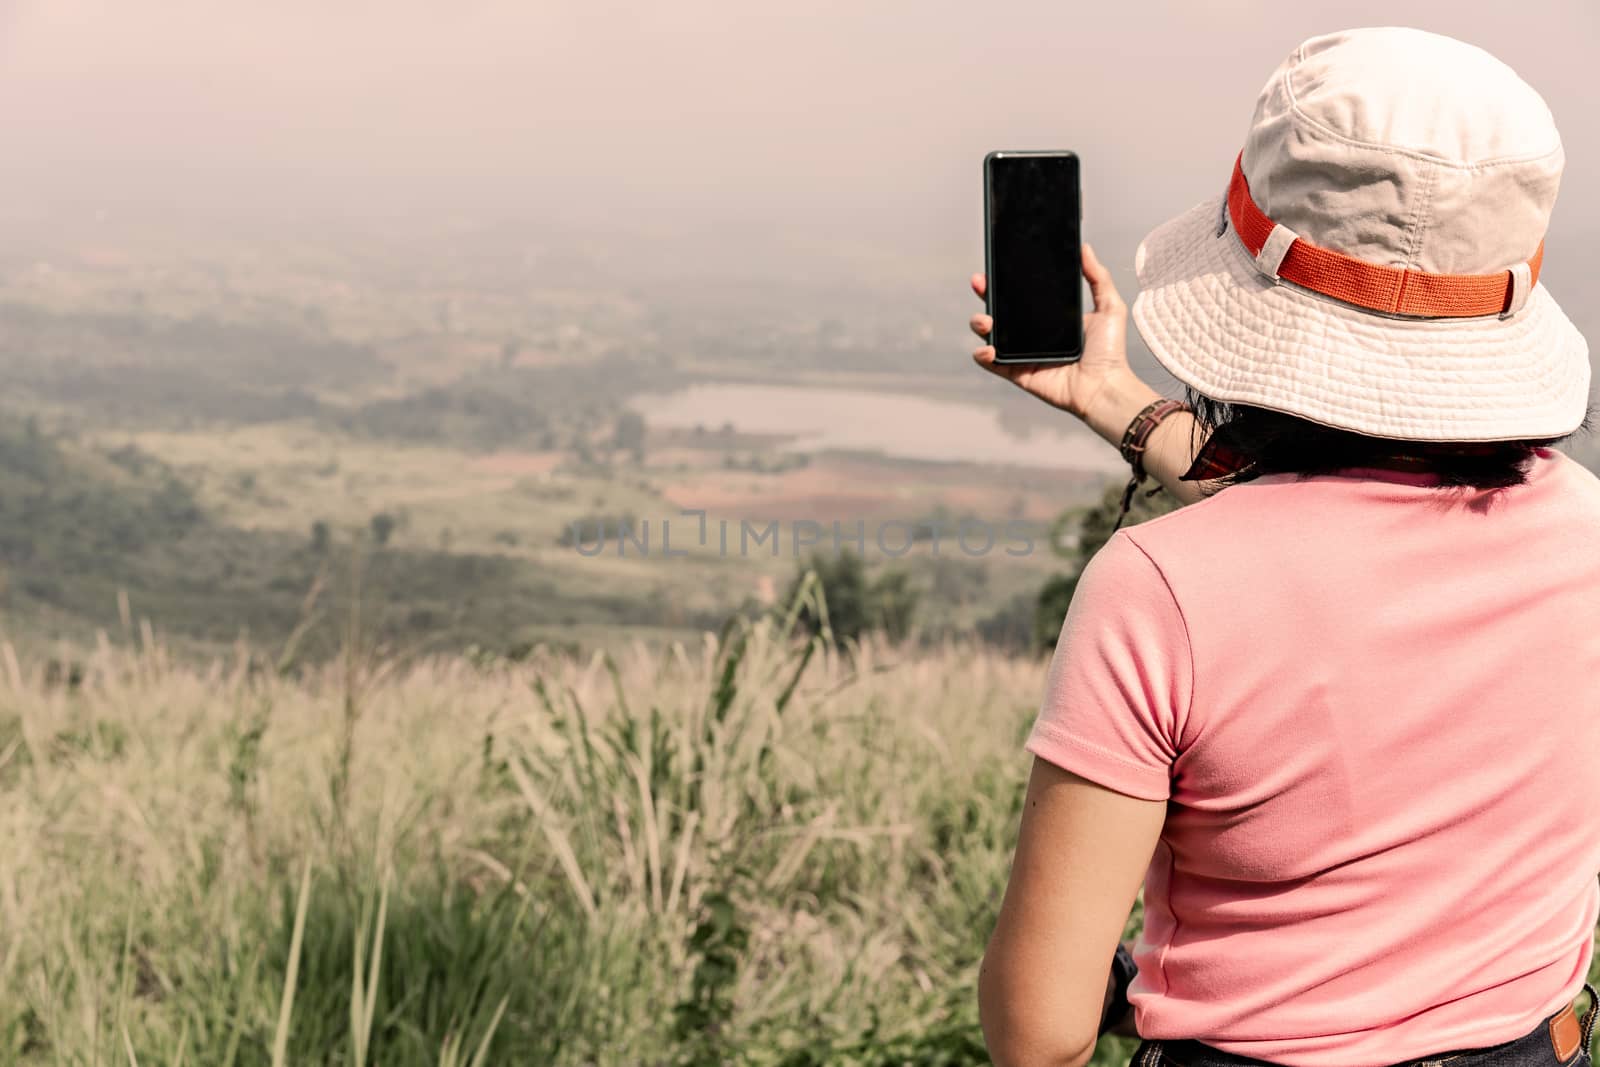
1411	153
1420	218
1232	384
1238	387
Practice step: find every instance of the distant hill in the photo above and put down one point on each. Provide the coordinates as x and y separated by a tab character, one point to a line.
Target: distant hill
147	368
80	527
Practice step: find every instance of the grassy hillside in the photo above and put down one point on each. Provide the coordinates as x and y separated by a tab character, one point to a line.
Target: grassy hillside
752	850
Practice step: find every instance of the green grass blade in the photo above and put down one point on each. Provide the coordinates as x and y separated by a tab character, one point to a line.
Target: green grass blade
376	964
559	842
482	1054
358	1043
280	1039
236	1031
124	976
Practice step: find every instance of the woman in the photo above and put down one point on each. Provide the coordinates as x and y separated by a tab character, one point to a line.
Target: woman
1340	716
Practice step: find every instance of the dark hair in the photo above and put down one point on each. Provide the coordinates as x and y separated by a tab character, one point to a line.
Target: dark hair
1272	442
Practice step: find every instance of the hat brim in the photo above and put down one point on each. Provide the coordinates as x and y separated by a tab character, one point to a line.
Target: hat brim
1220	326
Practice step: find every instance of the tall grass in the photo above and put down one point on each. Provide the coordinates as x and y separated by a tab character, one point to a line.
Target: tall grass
757	850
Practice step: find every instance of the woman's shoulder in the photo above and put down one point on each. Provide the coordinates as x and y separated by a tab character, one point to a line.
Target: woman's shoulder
1562	465
1239	520
1571	483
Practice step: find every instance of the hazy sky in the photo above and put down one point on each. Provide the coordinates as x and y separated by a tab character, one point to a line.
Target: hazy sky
853	124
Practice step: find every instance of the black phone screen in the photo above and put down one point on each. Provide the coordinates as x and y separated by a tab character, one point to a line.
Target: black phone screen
1034	264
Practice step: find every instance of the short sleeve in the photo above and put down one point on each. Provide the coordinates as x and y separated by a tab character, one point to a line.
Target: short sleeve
1120	682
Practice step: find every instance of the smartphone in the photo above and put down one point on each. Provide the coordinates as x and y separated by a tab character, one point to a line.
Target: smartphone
1032	237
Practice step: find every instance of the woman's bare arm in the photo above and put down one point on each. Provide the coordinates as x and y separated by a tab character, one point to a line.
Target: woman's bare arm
1082	851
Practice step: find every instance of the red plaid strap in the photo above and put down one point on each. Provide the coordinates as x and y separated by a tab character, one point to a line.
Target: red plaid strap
1216	459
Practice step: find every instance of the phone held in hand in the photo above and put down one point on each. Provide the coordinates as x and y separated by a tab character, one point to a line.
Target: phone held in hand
1033	218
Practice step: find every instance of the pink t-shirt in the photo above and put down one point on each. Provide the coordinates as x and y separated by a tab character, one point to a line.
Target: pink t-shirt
1373	706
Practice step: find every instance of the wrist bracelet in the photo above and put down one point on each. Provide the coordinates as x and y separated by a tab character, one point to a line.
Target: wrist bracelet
1134	440
1137	435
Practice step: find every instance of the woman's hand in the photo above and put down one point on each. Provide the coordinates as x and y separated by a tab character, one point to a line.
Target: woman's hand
1101	388
1072	387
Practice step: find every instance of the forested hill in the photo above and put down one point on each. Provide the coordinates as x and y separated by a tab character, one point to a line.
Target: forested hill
80	526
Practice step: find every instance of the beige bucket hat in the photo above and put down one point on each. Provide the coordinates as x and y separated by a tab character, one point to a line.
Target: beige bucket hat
1374	264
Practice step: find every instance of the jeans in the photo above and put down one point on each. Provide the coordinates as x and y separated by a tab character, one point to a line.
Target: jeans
1536	1048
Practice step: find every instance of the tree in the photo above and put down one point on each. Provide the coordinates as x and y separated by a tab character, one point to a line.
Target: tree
629	434
1050	610
321	536
854	604
892	604
1012	625
842	581
382	525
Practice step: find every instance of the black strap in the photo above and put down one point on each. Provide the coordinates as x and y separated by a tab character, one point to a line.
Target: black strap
1589	1016
1127	501
1122	971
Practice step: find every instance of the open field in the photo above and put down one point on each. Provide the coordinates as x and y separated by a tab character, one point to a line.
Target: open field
753	850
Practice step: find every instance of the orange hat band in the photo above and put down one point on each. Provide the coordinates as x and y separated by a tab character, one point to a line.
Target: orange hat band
1281	253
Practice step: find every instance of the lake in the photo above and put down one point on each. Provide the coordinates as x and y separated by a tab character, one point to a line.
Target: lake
893	424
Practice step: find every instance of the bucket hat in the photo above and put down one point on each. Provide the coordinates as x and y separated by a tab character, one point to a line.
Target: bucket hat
1373	263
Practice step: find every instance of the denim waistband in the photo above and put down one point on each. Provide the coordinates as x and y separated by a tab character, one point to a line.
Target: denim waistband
1536	1048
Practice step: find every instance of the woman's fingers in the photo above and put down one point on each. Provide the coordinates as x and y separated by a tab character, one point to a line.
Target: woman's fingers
1015	373
981	324
1011	372
1101	287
